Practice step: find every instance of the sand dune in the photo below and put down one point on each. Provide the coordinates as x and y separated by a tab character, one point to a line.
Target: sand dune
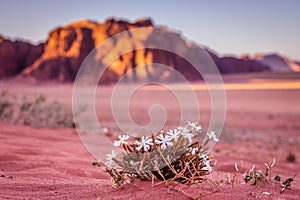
261	123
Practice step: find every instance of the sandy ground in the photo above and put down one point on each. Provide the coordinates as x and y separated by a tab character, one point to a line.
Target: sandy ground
261	123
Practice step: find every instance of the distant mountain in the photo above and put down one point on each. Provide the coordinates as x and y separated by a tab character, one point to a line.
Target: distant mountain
277	62
235	65
60	57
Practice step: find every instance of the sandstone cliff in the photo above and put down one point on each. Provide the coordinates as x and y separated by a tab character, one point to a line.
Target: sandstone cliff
15	56
66	48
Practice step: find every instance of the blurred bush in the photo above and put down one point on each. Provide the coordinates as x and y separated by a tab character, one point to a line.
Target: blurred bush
36	112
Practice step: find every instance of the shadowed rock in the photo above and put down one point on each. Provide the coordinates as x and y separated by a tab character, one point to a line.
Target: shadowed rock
66	48
15	56
278	62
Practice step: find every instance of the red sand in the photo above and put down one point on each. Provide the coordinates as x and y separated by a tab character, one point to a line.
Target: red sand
53	164
47	164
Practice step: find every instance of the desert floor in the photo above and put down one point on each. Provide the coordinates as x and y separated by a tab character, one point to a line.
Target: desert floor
262	123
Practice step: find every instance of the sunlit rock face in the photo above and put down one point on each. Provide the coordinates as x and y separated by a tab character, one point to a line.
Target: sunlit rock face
64	51
67	47
60	58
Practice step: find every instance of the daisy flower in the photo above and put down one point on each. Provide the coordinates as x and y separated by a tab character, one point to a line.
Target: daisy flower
164	141
110	158
188	136
212	136
183	129
195	126
173	134
144	143
122	140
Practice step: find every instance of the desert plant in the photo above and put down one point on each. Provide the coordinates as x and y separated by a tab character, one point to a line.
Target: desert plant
174	158
40	113
260	179
167	156
6	107
37	112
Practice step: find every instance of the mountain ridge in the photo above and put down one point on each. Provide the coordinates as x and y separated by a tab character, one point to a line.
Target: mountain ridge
60	57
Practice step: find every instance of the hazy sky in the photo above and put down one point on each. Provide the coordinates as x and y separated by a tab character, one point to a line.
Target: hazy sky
228	27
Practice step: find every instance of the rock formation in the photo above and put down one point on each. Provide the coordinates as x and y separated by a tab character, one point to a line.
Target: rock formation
234	65
66	48
15	56
278	62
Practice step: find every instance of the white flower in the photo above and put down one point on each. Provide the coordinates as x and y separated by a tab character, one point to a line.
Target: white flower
122	140
144	143
212	136
173	134
194	125
183	129
207	163
194	150
204	157
164	141
188	135
110	158
207	166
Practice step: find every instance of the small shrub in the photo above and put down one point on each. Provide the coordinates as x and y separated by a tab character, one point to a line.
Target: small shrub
36	112
260	179
6	108
170	156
